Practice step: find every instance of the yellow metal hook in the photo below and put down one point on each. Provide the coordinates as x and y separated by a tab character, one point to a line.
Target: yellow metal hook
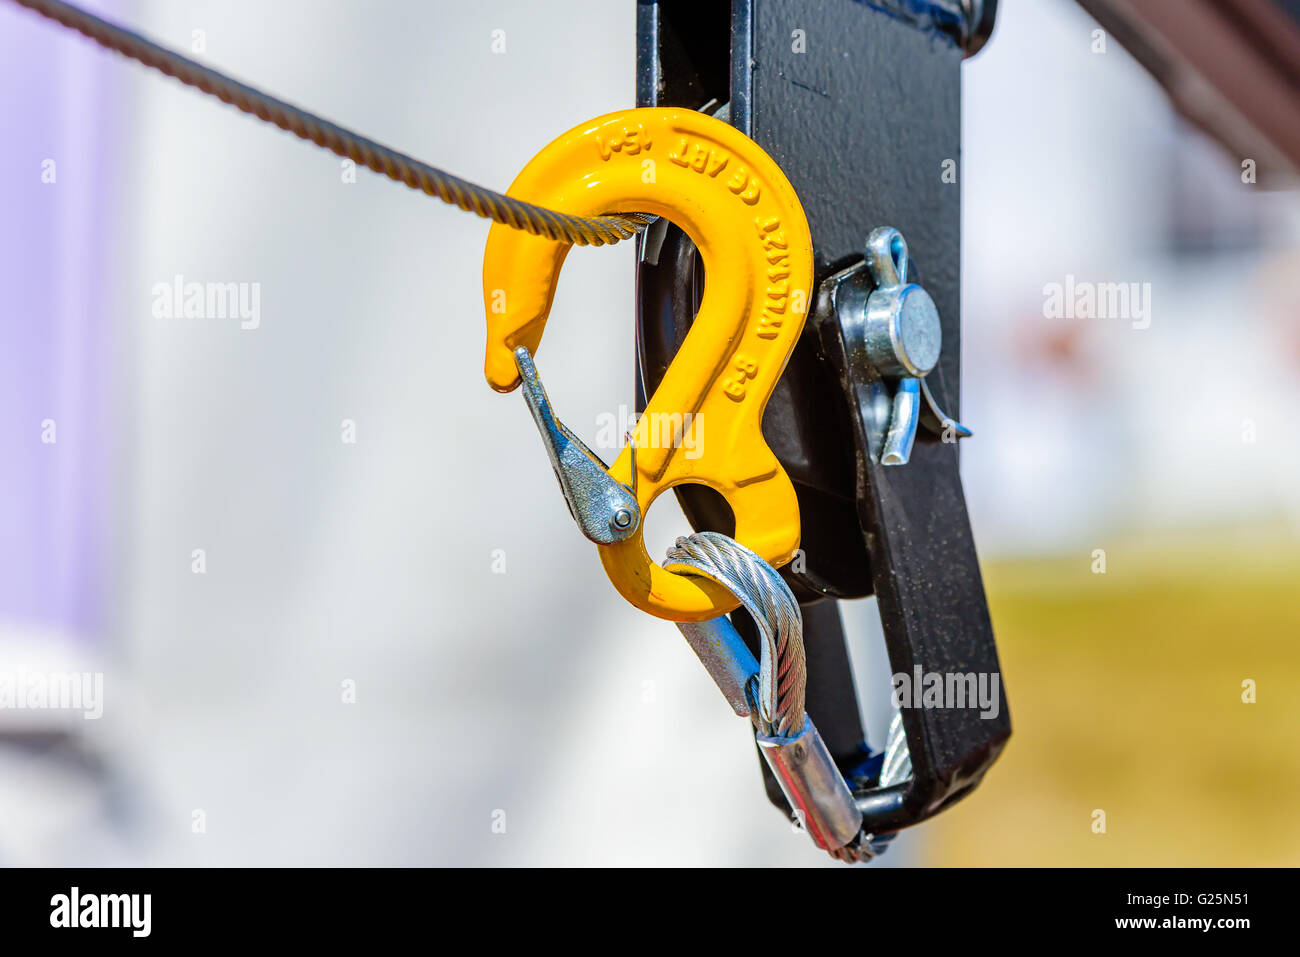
735	203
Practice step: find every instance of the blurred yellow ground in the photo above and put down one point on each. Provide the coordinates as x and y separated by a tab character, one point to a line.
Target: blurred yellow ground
1125	694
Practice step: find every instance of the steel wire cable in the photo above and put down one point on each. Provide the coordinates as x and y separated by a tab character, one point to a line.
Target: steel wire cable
897	764
778	702
783	671
895	768
515	213
783	675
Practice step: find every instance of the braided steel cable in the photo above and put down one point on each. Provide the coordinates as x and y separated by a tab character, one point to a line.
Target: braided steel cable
783	671
515	213
778	702
778	708
897	765
895	768
858	851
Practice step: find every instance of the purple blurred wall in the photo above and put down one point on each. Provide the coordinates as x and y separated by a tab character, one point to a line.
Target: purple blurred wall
59	335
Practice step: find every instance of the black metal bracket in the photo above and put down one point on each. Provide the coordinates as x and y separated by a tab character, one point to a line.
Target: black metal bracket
860	104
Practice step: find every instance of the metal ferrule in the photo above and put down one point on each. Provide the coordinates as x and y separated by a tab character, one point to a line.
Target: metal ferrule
813	785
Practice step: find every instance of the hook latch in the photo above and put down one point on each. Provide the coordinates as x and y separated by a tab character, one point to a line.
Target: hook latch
606	510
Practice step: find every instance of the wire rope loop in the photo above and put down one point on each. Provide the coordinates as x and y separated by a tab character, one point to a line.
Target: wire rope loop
783	675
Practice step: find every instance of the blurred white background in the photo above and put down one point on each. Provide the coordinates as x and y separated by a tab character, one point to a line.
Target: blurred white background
537	692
